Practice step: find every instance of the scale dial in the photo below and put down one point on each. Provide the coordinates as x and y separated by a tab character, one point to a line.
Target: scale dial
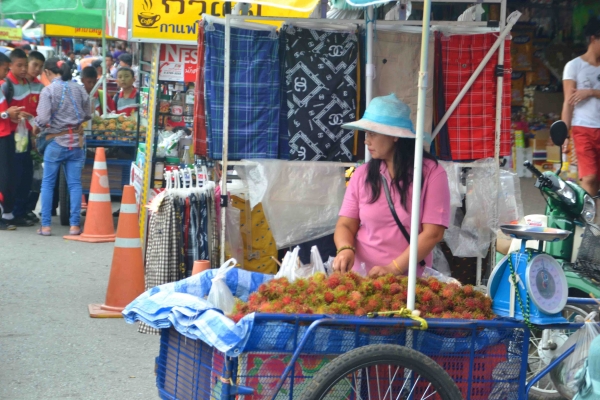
547	284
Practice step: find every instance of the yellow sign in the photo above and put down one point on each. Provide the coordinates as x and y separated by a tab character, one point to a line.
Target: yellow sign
175	20
69	32
10	34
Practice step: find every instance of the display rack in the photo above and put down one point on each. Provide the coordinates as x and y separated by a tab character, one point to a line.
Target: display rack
370	73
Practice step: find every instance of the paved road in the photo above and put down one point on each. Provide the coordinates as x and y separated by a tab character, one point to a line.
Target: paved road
49	347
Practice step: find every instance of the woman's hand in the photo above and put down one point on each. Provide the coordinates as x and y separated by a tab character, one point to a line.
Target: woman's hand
388	269
344	261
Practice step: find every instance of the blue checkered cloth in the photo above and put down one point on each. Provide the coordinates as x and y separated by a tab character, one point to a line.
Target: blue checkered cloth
254	99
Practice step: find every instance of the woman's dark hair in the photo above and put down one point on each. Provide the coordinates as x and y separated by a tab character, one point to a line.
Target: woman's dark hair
404	159
60	67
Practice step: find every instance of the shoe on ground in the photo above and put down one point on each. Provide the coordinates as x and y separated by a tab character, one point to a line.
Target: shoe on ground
22	221
6	225
32	217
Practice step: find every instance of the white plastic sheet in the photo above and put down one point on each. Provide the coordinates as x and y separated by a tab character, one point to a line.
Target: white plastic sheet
301	199
234	243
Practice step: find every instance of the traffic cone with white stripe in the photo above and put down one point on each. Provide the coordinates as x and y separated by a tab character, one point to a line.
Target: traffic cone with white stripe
99	226
126	281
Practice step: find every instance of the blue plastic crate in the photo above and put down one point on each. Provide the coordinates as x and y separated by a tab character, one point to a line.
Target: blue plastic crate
470	351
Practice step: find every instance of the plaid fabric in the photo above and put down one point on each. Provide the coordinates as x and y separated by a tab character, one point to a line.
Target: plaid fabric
254	92
471	128
201	217
320	84
200	145
162	253
442	141
189	238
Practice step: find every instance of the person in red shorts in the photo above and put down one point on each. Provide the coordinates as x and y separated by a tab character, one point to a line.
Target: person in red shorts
581	108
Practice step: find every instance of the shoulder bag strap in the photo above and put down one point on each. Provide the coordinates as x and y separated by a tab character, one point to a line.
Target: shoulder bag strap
395	215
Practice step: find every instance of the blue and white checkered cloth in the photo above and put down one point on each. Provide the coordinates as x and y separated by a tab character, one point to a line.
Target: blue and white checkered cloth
182	305
254	96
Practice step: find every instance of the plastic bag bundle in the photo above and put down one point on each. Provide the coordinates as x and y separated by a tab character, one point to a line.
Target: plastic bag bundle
470	234
168	143
21	137
288	265
440	264
510	206
315	266
220	295
430	272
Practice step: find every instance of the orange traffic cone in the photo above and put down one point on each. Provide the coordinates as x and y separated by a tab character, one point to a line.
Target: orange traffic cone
99	226
126	280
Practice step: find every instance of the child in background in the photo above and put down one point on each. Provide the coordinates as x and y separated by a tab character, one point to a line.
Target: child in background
126	101
7	152
89	77
35	66
17	92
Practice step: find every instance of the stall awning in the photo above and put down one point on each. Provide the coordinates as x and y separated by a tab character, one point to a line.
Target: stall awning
76	13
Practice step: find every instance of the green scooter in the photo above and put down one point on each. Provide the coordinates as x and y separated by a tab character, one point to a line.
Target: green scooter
569	207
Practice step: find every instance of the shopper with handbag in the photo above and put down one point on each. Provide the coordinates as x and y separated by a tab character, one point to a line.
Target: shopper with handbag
64	106
374	222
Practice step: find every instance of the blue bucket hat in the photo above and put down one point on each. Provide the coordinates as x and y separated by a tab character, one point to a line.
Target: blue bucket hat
386	115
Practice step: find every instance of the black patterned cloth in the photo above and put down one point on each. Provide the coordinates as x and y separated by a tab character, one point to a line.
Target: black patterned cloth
320	84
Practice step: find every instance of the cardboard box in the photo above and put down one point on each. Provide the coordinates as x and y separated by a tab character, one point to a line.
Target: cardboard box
553	154
538	146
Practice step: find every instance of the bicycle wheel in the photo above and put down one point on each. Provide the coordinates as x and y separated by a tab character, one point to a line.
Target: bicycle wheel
379	372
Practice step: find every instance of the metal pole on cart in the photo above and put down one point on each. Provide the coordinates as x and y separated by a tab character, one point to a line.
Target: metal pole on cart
418	168
370	67
499	94
226	77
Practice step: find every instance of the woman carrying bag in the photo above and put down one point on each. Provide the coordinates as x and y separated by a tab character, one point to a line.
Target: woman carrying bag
63	107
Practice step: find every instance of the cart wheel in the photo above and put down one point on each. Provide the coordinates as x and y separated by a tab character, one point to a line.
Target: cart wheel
382	371
64	198
542	352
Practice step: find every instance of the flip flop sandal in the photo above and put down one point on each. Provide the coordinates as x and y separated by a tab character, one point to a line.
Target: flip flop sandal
44	233
74	232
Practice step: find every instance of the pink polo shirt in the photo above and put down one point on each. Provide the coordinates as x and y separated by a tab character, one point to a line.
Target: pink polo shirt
379	240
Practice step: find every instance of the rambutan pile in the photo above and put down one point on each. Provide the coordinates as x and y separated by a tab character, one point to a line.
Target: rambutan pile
351	294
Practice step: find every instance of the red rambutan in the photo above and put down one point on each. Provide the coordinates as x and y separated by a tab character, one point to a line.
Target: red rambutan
471	304
318	277
352	305
447	315
427	296
354	277
334	281
395	288
286	300
467	315
356	296
372	305
378	284
360	312
266	308
328	297
468	290
435	285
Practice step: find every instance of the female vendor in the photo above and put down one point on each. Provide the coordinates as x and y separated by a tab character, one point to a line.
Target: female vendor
367	232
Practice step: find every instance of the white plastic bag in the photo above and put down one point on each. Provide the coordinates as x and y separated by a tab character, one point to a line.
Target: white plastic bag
288	265
220	295
565	376
315	266
21	137
430	272
510	206
440	264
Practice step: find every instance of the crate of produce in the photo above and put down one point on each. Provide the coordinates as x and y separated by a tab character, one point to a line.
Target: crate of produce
206	354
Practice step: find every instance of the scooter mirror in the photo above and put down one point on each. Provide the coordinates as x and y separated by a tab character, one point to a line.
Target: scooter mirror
559	132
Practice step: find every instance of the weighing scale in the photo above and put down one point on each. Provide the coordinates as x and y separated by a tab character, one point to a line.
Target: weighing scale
541	283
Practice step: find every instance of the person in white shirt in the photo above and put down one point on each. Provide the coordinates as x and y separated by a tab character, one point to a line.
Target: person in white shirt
581	108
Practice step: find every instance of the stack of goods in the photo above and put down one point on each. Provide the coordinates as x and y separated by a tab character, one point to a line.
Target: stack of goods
351	294
115	127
